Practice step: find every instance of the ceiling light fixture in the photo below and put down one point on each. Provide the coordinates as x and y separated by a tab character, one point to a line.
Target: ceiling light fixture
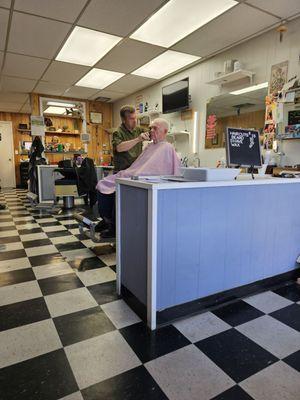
59	104
178	18
86	46
251	88
164	64
55	110
99	78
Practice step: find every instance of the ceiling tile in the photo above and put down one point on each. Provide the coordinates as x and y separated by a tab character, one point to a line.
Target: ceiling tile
1	58
11	106
66	10
5	3
9	84
117	17
283	9
3	27
222	32
24	66
80	92
130	84
50	88
108	93
13	97
61	72
25	30
26	108
129	55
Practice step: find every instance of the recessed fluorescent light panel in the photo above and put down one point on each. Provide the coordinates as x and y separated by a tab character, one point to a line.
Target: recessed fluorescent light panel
55	110
99	78
59	104
165	64
179	18
251	88
86	46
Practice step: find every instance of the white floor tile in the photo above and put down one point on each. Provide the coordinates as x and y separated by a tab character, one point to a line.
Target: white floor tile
27	226
94	276
11	246
69	301
8	233
188	374
276	337
64	239
39	250
43	220
109	259
73	396
74	231
19	208
69	221
16	219
201	326
28	341
120	314
33	236
5	216
49	270
277	382
88	243
12	265
102	357
56	228
268	302
3	224
19	292
72	255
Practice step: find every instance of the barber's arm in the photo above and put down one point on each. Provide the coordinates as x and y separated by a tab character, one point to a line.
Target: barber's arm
125	146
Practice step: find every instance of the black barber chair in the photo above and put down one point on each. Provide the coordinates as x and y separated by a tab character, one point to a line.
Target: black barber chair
66	187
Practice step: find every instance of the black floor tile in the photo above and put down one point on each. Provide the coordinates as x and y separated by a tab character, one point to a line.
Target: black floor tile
82	325
18	276
46	259
22	313
149	345
293	360
7	228
36	243
289	315
54	223
237	313
65	217
10	239
135	384
59	284
235	354
12	254
29	231
70	246
113	267
104	292
21	214
290	292
234	393
58	234
87	263
24	222
46	377
37	217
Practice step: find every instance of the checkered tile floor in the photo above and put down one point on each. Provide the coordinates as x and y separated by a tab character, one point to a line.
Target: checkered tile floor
64	334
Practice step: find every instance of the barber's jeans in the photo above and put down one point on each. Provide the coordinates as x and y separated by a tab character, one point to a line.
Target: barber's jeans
107	208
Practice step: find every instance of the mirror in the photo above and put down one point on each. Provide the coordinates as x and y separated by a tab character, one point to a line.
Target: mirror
239	111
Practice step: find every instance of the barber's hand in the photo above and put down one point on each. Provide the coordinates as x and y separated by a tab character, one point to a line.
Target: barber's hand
144	136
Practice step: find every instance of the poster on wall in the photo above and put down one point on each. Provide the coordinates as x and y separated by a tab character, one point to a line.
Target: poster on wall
37	125
211	124
278	79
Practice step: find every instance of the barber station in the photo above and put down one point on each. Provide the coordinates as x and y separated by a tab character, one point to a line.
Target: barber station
150	200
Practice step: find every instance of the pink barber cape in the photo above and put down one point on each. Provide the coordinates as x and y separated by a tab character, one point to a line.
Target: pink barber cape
156	159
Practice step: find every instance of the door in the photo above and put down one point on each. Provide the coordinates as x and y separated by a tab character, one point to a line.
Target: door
7	163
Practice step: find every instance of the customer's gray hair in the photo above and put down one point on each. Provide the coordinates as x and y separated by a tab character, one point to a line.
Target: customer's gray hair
162	122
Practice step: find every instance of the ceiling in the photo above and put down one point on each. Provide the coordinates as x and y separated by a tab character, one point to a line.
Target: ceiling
32	33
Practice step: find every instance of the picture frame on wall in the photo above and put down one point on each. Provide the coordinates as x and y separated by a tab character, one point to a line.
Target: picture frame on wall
96	117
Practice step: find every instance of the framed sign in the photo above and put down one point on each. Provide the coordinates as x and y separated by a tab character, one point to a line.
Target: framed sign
96	117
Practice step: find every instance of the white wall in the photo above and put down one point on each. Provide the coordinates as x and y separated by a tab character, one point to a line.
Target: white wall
257	55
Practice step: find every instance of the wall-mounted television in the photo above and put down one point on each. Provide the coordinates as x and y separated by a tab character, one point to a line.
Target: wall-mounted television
175	97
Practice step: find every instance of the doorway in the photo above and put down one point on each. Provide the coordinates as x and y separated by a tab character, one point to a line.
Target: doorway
7	161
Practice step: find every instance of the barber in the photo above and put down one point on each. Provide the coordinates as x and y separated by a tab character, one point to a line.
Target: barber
127	140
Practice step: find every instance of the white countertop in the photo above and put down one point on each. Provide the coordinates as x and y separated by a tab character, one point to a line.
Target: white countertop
151	183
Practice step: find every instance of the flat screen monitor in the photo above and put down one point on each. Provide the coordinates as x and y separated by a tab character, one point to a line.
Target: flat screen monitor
243	148
175	97
27	145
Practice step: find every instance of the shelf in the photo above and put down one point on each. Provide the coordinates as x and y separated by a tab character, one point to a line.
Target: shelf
60	116
232	77
147	114
65	152
51	132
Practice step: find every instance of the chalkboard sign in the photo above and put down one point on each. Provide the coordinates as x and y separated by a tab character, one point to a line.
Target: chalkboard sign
243	148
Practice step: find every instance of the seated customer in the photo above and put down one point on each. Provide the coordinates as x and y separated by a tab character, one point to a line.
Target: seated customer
159	158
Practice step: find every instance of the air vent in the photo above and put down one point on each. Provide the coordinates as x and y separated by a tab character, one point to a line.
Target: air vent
103	99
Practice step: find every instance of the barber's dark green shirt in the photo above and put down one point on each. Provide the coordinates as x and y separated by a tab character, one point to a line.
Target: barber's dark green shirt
124	159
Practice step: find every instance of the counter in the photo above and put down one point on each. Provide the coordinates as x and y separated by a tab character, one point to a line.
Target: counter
184	246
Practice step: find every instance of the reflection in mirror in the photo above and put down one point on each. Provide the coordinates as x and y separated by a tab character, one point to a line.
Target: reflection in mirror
238	111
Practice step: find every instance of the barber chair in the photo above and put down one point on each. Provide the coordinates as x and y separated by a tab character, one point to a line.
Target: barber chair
66	187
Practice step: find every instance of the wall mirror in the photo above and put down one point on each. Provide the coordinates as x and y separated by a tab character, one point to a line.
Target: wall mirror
228	110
